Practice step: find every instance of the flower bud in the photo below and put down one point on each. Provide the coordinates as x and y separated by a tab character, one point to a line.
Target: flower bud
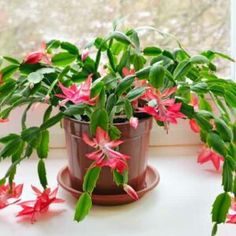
133	121
130	191
85	54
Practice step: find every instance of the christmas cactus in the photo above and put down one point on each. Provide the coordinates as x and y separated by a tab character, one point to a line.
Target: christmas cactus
115	78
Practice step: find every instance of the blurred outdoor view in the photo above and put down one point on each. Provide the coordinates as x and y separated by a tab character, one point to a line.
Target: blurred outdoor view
199	25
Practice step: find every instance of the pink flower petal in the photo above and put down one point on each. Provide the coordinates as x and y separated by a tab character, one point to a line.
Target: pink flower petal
209	155
175	107
231	219
33	57
169	92
215	160
88	141
114	154
120	165
114	143
68	92
17	190
204	155
149	110
194	126
36	190
102	135
96	155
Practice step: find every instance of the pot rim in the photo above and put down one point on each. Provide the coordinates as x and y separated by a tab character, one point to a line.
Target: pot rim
117	124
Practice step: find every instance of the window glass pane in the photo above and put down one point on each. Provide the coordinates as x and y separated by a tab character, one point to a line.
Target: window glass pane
199	25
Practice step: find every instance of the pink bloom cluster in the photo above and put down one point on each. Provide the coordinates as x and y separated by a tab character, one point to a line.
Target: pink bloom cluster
76	94
40	205
11	194
105	155
161	107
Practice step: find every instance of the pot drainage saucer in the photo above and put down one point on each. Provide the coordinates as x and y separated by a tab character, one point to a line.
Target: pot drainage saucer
152	180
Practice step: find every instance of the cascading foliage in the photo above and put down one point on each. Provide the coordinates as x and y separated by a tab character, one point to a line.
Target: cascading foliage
118	79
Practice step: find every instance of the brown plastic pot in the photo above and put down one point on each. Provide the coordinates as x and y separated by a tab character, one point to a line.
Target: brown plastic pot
135	145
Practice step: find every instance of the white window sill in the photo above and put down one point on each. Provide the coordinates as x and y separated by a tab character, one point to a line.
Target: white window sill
180	205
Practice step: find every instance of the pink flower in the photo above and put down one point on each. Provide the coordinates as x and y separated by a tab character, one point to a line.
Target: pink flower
105	155
161	107
231	218
3	120
85	54
127	72
37	56
76	94
8	195
130	191
194	126
41	205
133	121
207	154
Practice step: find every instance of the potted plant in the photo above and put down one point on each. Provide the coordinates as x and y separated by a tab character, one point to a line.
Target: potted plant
107	96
